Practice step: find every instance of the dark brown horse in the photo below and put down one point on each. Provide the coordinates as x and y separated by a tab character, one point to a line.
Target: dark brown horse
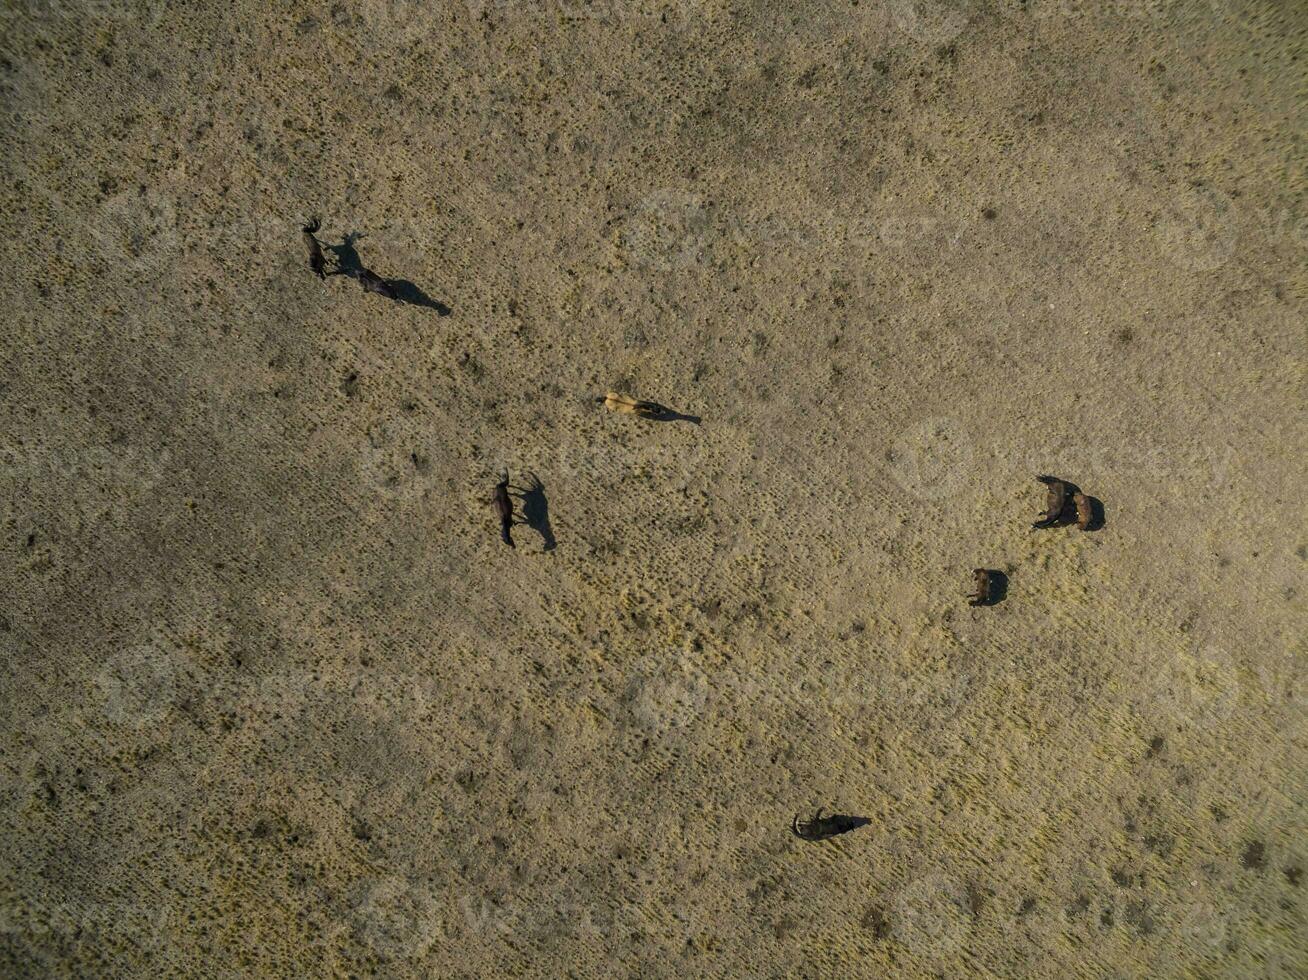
317	261
1055	502
822	828
503	505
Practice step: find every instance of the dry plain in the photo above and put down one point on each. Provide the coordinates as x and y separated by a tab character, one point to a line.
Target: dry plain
278	702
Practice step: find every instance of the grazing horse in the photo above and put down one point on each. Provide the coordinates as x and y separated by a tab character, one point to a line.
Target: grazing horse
503	505
317	261
632	406
1055	502
1085	511
821	828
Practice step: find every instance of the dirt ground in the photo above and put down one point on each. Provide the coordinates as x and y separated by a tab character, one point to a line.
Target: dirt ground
278	702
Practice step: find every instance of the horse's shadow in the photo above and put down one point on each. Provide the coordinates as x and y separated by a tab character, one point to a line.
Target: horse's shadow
349	264
824	828
668	415
536	511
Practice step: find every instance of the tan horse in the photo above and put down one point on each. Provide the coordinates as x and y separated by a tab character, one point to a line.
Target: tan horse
632	406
